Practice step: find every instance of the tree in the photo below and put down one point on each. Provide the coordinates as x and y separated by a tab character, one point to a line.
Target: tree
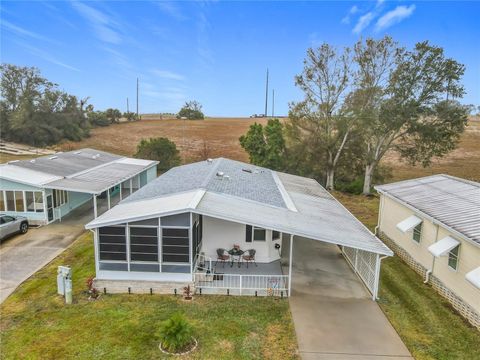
35	112
97	118
130	116
113	115
192	110
320	119
161	149
404	100
265	145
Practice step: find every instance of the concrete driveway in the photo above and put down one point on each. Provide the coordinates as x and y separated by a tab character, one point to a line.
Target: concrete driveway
334	315
23	255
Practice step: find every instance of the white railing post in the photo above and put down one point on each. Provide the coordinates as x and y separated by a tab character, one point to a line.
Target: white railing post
240	286
290	267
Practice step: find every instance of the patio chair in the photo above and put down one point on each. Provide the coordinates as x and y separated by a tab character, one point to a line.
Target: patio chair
249	256
222	256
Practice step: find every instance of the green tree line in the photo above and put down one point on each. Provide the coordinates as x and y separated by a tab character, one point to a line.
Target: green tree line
35	111
360	103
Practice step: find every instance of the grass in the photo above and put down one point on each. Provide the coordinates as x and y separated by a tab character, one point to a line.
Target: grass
35	324
427	324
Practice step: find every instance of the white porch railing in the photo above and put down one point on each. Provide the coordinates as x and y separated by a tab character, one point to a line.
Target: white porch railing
366	264
239	284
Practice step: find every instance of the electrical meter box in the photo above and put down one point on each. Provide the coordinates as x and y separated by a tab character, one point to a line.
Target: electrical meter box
63	273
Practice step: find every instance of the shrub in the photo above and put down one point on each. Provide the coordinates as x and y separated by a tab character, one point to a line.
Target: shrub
192	110
161	149
175	334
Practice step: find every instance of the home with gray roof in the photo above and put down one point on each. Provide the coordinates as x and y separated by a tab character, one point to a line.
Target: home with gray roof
47	188
222	226
433	223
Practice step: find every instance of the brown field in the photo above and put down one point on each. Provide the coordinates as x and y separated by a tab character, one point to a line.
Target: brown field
196	139
214	137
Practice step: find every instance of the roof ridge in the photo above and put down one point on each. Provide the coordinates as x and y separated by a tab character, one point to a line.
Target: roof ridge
213	170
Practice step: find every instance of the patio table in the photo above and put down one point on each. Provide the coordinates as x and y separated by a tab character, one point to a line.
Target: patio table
236	253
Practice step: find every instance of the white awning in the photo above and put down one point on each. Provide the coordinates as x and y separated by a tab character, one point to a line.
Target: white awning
444	246
409	223
474	277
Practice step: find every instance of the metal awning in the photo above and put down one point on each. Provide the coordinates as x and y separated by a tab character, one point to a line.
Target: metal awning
409	223
474	277
444	246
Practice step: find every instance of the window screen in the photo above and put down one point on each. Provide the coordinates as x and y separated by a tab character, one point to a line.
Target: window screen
144	244
112	243
175	245
259	234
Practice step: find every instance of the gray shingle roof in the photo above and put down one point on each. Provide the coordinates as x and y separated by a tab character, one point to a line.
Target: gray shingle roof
258	185
451	201
262	197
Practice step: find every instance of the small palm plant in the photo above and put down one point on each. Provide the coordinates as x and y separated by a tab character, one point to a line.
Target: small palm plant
175	334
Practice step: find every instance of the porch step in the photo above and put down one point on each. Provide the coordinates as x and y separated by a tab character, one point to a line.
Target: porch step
140	287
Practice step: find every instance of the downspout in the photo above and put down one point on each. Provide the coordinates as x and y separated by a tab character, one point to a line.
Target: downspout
429	271
380	258
380	208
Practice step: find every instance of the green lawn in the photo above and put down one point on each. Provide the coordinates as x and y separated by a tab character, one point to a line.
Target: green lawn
35	324
427	324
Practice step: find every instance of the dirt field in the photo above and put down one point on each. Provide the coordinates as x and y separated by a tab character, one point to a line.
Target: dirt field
212	137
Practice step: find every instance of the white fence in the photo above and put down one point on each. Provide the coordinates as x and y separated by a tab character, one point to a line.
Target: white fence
366	264
237	284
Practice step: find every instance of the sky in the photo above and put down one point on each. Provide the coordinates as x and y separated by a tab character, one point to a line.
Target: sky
216	52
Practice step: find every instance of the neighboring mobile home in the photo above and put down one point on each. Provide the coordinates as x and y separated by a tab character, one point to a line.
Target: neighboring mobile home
433	223
197	224
47	188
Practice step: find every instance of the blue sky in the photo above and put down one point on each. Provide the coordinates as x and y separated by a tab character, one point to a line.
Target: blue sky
215	52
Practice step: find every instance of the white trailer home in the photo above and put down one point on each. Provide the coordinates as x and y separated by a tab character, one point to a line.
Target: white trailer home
221	226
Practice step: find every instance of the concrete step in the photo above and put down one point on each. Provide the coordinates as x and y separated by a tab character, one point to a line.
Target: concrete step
140	287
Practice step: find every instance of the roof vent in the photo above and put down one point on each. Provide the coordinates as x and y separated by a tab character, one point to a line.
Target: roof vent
13	161
53	157
220	174
32	161
77	152
226	177
209	160
247	170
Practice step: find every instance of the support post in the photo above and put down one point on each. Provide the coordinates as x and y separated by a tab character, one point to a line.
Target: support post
290	266
108	198
121	188
95	205
131	186
377	278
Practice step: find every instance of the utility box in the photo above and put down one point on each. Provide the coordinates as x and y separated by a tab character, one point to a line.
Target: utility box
63	273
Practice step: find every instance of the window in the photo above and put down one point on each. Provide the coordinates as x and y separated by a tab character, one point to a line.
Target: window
175	245
6	219
259	234
38	201
276	235
112	243
30	201
144	244
453	258
60	197
248	233
10	200
19	201
417	233
2	202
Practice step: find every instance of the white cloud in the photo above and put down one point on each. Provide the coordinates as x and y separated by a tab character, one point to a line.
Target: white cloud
165	74
353	10
103	26
363	22
170	9
46	56
394	17
23	32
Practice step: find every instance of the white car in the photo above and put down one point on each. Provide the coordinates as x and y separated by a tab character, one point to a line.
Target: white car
10	225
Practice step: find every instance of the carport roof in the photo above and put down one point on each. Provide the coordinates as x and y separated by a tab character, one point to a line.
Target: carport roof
86	170
264	198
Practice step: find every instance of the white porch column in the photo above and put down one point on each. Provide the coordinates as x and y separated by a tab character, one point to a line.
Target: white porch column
131	186
108	198
377	277
121	195
95	205
290	266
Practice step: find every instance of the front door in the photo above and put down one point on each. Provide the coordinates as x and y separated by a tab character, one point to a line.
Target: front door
50	208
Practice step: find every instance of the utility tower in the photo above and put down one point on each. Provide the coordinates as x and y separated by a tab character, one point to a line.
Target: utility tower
266	96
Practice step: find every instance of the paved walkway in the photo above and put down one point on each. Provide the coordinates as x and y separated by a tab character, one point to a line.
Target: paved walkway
23	255
333	313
